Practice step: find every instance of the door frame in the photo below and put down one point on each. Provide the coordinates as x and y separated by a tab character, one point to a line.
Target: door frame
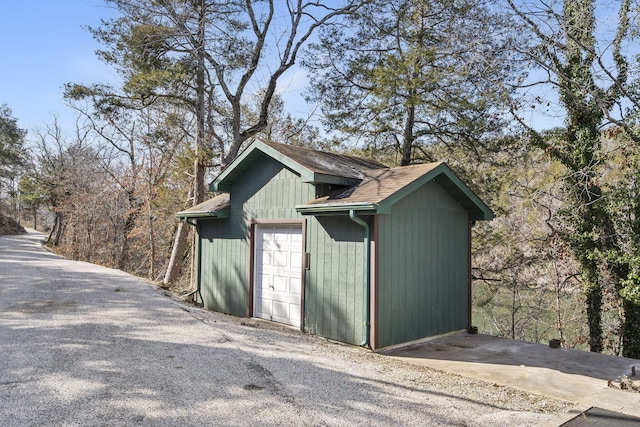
253	225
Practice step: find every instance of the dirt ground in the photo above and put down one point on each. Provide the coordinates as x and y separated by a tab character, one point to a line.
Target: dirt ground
9	226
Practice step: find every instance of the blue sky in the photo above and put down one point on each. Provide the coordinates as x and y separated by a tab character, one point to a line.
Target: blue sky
42	47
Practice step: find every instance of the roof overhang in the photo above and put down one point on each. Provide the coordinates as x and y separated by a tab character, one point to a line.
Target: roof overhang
217	207
319	178
224	213
339	209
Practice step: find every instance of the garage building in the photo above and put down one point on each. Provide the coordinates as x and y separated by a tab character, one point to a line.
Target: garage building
338	246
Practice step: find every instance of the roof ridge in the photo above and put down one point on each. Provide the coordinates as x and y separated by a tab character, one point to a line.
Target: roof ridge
347	159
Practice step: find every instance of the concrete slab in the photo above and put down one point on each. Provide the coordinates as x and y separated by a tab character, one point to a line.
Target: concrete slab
575	376
601	417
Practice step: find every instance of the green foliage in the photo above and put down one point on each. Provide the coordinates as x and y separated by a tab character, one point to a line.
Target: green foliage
32	195
404	74
630	288
12	151
623	208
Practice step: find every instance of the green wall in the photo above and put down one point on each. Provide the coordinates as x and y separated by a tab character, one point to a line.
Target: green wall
422	264
334	282
422	259
267	190
334	288
223	265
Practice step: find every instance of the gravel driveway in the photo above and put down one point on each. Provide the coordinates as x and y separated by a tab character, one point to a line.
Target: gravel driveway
84	345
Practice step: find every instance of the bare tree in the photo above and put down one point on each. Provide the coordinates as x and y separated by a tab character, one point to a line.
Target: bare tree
589	68
212	57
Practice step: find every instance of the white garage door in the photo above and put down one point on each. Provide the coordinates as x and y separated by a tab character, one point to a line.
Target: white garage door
278	269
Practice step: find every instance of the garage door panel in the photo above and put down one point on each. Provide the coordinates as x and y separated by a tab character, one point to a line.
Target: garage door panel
285	312
264	257
281	284
296	236
295	287
294	314
295	260
265	281
280	259
280	310
282	235
263	306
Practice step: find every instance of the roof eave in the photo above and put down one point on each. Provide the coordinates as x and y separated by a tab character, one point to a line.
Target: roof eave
481	216
480	210
222	213
218	183
338	209
319	178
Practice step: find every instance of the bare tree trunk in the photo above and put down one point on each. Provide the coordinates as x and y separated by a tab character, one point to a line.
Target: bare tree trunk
201	115
57	229
180	243
408	138
152	243
177	253
75	250
53	230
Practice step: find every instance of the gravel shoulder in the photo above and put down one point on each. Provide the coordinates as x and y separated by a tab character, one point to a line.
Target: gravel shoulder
87	345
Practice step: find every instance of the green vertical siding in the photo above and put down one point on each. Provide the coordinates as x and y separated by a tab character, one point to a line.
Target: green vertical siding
422	259
223	265
422	267
272	192
267	190
334	282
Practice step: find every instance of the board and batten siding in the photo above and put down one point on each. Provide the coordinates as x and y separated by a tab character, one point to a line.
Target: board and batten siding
422	287
334	282
223	265
267	190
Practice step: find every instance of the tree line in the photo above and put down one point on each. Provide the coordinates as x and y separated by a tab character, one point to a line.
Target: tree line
535	104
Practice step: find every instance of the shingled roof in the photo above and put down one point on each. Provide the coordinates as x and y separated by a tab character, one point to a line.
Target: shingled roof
313	166
365	185
326	162
382	188
217	207
377	185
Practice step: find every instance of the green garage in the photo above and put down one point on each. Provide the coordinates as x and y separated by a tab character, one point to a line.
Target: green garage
338	246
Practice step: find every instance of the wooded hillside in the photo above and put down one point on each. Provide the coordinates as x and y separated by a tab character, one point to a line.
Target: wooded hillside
10	226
